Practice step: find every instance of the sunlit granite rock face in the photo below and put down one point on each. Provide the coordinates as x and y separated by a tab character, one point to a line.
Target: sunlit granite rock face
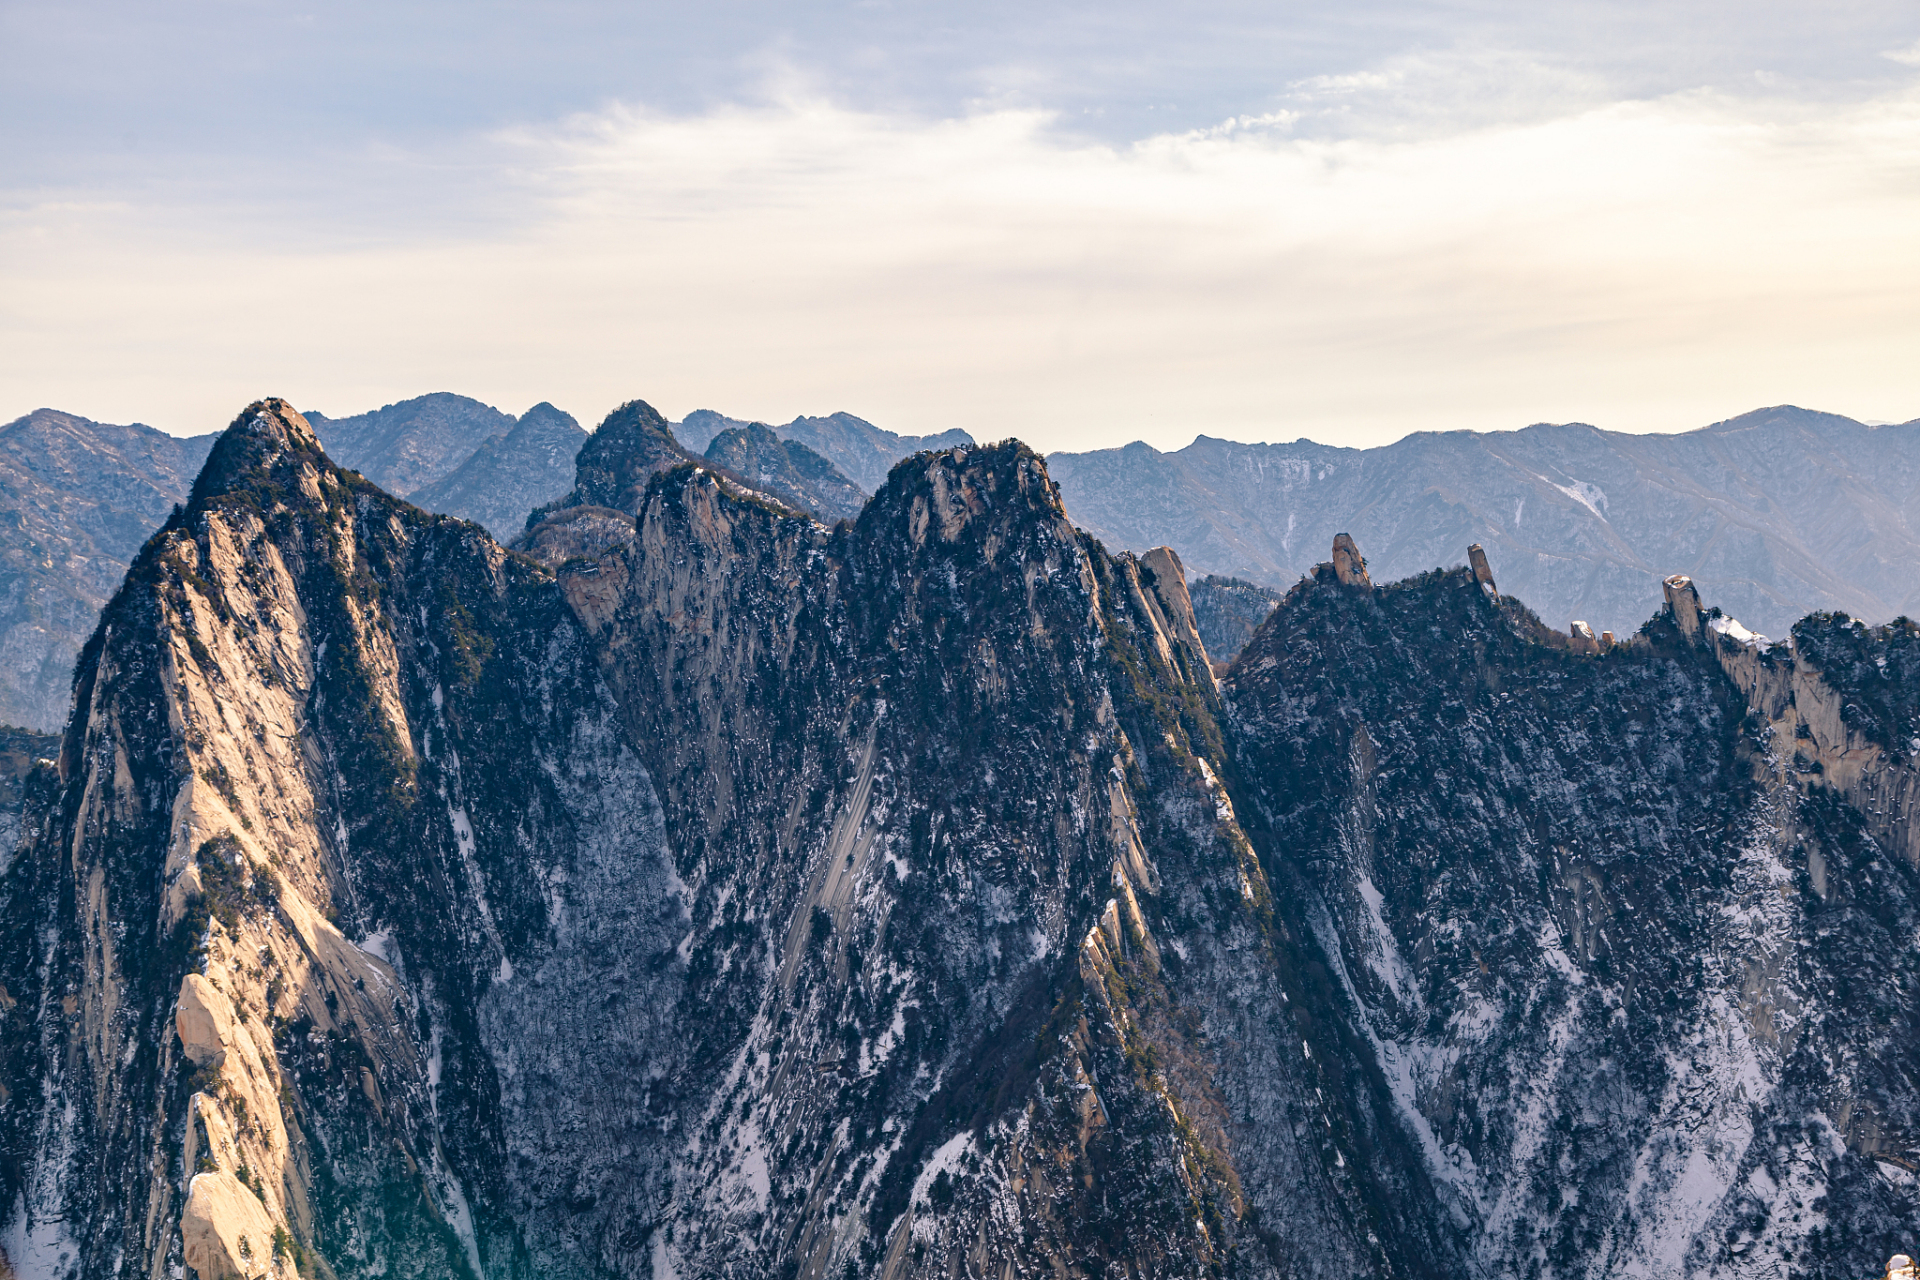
909	898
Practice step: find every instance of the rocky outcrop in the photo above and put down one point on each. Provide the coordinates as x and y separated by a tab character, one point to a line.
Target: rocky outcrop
226	1233
1349	567
1482	572
1839	705
629	447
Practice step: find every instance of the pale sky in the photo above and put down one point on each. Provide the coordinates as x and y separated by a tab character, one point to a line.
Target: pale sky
1079	224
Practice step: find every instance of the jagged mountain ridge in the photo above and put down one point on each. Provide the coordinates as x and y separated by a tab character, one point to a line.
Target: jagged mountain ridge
381	719
1777	513
766	898
1579	906
77	498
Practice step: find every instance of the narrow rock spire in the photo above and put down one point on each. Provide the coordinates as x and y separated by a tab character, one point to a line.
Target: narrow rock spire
1482	574
1348	564
1683	601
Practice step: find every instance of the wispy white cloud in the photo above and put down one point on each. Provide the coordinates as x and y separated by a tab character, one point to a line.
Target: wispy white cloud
1647	265
1908	57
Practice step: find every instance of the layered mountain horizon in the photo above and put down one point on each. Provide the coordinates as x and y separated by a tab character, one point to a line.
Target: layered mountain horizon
908	896
1778	513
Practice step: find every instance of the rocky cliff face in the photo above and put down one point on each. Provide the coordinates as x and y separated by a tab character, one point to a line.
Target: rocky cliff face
1631	967
728	902
618	459
908	899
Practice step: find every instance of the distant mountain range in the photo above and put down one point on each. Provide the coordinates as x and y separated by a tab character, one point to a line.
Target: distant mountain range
410	445
77	499
452	454
510	473
1775	514
863	451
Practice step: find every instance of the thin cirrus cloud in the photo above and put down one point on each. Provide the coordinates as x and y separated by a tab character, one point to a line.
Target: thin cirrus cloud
1437	261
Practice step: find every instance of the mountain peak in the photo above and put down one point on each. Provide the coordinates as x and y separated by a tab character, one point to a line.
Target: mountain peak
266	432
788	470
620	457
945	493
546	410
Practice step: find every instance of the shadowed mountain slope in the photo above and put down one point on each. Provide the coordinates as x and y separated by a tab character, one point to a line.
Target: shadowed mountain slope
1581	909
1227	611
